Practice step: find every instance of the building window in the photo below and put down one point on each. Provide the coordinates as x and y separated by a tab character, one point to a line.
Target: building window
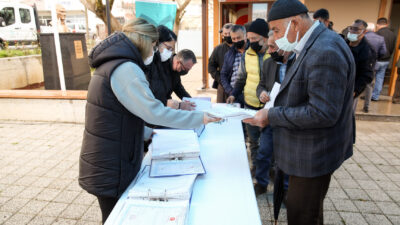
8	15
25	15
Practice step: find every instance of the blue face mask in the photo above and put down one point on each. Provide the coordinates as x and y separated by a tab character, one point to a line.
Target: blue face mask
284	44
352	37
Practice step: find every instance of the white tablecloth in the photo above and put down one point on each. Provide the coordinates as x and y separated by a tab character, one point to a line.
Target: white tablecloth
225	194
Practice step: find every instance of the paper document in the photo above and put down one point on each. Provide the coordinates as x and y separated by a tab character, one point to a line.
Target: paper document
201	103
174	167
272	95
142	212
227	111
162	188
170	143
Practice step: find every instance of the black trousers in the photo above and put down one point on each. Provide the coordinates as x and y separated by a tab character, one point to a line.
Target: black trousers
106	205
305	199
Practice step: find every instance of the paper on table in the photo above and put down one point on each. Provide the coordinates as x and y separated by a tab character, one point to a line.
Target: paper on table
174	167
201	104
171	143
142	212
177	187
272	95
227	111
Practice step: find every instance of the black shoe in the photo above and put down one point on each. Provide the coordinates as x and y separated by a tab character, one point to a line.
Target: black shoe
259	189
365	109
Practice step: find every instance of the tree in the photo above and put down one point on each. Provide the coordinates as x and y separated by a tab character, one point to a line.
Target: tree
180	12
98	8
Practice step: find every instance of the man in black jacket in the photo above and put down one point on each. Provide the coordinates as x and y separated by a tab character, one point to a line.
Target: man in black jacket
216	61
364	57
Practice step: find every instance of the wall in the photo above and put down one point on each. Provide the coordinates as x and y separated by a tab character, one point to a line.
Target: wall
18	72
344	12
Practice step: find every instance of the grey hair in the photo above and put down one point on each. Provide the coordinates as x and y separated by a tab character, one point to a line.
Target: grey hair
236	28
186	54
228	26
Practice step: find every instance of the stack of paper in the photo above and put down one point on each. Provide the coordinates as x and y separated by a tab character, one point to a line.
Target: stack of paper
227	111
272	95
202	104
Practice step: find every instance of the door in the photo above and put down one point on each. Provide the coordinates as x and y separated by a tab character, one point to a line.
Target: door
28	27
8	33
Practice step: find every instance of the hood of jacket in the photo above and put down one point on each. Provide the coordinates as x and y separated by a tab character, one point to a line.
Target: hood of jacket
115	46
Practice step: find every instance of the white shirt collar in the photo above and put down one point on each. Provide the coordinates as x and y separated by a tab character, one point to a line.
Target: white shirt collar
304	39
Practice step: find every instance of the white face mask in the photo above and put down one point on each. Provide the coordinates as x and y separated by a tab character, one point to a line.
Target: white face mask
165	55
284	44
352	37
149	60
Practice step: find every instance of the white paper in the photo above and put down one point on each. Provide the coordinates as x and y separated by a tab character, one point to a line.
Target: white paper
184	166
170	143
272	95
201	104
227	111
142	212
177	187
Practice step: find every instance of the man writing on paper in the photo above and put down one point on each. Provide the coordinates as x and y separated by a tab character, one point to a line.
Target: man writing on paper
273	72
312	119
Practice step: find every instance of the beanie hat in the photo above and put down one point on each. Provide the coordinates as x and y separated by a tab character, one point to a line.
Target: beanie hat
286	8
259	26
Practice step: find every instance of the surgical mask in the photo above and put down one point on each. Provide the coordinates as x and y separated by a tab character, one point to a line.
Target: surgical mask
165	55
352	37
149	60
284	44
276	57
228	39
256	46
239	44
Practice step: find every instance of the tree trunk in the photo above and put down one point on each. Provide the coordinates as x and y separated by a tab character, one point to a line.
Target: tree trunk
180	12
97	7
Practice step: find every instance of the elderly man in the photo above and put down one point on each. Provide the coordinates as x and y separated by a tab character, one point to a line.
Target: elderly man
312	118
216	61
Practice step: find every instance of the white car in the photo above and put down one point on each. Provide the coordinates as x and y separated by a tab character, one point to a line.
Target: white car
17	23
80	28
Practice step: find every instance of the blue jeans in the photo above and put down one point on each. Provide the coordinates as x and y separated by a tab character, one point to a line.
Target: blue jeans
380	68
253	134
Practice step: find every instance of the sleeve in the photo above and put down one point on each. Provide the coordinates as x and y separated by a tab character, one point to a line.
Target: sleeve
224	75
132	90
147	133
264	73
179	89
382	52
326	88
366	72
213	65
241	79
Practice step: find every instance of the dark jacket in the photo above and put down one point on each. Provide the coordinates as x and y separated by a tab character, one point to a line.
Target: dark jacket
174	78
227	70
377	42
216	61
390	41
269	74
313	113
364	57
159	83
112	147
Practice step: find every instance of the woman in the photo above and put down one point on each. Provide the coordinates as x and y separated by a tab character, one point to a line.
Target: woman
119	101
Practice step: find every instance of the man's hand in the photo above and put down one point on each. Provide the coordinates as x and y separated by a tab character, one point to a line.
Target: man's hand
187	105
173	104
210	119
230	99
260	119
264	97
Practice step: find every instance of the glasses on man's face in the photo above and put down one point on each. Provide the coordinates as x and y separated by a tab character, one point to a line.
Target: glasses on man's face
184	69
170	48
354	29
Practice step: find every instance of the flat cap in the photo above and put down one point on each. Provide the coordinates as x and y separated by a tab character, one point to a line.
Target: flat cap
286	8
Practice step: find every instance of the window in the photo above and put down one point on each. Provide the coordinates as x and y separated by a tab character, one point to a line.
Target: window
8	15
25	15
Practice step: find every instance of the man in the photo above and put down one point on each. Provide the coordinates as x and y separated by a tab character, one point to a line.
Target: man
382	27
273	70
216	61
364	57
323	16
230	68
249	78
312	115
377	42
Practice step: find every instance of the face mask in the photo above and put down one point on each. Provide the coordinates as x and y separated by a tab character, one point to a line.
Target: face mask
276	57
284	44
239	44
149	60
256	46
228	39
165	55
352	37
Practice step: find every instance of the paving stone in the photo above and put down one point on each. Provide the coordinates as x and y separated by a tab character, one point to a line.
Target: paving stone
84	198
5	216
344	205
92	214
18	219
394	219
332	217
10	179
368	184
14	205
336	193
74	211
378	195
353	218
367	207
12	190
395	195
348	183
394	176
60	183
388	185
74	186
33	207
82	222
328	205
389	208
4	200
30	192
42	182
53	209
61	221
360	176
66	196
357	194
42	220
377	219
48	194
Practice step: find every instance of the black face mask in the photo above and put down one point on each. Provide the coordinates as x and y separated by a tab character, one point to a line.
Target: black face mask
256	46
239	44
276	57
228	39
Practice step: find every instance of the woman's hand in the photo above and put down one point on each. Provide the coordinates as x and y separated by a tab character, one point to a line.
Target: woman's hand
173	104
187	105
208	118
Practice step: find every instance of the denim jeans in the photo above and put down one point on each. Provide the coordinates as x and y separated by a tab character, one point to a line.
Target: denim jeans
264	156
380	68
253	134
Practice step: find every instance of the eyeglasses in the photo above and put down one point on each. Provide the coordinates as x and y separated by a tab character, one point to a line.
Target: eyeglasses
354	29
170	48
184	69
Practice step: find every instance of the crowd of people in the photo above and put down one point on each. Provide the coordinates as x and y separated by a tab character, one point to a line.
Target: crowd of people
306	136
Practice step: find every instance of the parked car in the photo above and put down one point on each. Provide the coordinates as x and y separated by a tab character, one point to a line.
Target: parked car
81	28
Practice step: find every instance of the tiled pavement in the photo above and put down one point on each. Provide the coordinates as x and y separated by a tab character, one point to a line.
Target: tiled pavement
39	168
